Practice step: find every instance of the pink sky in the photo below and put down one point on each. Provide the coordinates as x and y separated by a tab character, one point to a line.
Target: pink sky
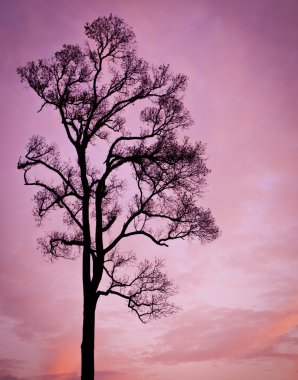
239	294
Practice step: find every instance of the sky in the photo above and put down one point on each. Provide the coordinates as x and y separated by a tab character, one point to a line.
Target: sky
239	317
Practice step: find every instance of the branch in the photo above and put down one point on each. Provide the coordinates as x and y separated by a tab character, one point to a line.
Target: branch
59	244
58	200
41	153
147	291
147	234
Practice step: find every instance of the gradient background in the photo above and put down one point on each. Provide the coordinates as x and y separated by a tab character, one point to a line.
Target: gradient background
239	294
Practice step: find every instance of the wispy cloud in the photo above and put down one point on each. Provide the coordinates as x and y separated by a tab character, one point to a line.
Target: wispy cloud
229	334
99	375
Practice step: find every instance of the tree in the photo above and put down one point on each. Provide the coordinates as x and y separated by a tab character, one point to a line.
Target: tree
90	88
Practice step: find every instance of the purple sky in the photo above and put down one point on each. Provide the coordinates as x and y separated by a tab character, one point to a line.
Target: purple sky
238	294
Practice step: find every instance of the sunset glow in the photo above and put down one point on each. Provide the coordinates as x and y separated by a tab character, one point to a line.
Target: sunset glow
239	317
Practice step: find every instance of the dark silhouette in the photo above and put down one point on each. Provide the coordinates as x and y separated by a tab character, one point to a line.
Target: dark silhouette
91	88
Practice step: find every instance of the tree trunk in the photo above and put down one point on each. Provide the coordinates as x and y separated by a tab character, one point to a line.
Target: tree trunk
87	346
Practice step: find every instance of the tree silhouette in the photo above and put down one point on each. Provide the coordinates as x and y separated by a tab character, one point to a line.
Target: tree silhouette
91	87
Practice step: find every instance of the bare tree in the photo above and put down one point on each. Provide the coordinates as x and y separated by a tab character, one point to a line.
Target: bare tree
91	87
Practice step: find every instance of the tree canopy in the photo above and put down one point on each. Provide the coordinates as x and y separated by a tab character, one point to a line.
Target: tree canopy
142	179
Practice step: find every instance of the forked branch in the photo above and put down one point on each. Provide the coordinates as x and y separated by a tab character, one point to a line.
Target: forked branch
146	288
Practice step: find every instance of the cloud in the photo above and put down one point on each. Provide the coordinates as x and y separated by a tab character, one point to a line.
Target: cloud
99	375
228	334
8	368
61	376
7	364
106	375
